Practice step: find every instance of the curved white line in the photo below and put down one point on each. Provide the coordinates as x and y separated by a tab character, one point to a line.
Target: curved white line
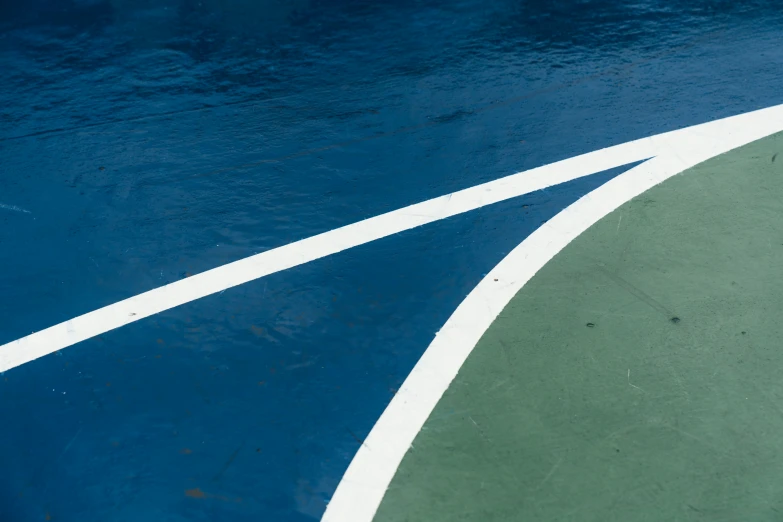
364	484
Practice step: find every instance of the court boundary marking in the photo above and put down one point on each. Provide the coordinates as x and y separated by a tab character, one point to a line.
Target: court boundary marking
121	313
363	486
361	490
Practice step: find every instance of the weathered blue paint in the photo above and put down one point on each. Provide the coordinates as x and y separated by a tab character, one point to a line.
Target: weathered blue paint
261	393
150	140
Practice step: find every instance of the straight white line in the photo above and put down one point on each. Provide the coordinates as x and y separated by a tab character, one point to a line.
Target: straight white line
364	484
94	323
83	327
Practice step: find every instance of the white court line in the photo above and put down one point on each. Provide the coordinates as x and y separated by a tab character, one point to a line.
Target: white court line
97	322
364	484
361	490
119	314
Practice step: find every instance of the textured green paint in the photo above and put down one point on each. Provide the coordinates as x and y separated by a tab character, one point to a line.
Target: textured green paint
641	417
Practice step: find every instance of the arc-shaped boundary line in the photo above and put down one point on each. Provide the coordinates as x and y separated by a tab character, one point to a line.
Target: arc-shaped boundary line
364	484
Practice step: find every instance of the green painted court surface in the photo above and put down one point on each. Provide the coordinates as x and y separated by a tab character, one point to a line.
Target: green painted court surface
636	377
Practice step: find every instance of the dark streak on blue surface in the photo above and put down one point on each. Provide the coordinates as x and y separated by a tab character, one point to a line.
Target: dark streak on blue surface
261	393
150	140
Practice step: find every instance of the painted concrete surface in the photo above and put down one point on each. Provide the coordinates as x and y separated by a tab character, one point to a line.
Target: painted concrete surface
365	481
634	378
142	143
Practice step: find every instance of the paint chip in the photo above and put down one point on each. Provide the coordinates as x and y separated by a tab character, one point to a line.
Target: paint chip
257	330
195	493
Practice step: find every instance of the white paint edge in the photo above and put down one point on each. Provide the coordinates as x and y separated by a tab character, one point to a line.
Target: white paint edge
124	312
364	484
97	322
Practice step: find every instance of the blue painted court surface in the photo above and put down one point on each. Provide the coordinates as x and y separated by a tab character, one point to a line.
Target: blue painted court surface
144	142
